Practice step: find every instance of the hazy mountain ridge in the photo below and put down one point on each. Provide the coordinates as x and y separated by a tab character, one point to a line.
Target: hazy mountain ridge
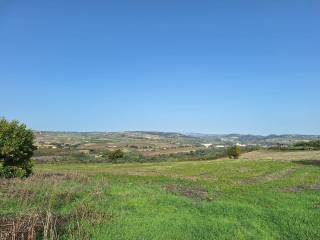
256	139
176	136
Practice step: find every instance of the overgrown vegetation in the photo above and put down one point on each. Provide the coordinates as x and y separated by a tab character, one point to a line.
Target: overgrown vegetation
222	199
234	151
308	145
16	149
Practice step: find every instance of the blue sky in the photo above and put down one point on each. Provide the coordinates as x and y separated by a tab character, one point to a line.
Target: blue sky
190	66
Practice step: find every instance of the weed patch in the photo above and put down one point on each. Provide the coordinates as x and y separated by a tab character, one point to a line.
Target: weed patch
30	227
49	225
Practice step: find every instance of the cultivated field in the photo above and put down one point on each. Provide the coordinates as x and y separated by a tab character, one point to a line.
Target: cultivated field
80	147
252	198
282	155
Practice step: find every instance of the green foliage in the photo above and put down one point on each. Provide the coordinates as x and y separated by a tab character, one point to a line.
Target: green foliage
117	154
105	154
298	146
12	172
16	149
234	152
309	145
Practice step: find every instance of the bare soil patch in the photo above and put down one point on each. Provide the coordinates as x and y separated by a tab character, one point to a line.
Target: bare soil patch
196	193
204	174
278	175
300	188
309	162
19	193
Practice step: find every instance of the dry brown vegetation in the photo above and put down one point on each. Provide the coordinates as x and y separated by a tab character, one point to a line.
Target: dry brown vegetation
268	176
32	226
47	224
282	155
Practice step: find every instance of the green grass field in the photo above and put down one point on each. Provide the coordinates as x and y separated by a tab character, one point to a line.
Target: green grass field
221	199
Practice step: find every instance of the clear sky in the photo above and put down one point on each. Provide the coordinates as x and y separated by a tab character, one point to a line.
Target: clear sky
190	66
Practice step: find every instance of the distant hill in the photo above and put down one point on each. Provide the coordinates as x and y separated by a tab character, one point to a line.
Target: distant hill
254	139
92	146
194	138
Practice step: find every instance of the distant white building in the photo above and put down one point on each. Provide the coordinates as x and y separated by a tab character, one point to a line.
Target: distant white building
220	146
241	145
206	144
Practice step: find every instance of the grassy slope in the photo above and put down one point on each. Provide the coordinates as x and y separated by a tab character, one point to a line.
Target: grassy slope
222	199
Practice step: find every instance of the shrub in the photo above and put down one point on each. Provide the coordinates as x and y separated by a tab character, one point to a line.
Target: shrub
234	152
113	156
12	172
16	149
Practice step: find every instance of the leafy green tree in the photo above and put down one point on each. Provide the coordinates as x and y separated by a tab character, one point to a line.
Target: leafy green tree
116	155
234	152
16	149
105	154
